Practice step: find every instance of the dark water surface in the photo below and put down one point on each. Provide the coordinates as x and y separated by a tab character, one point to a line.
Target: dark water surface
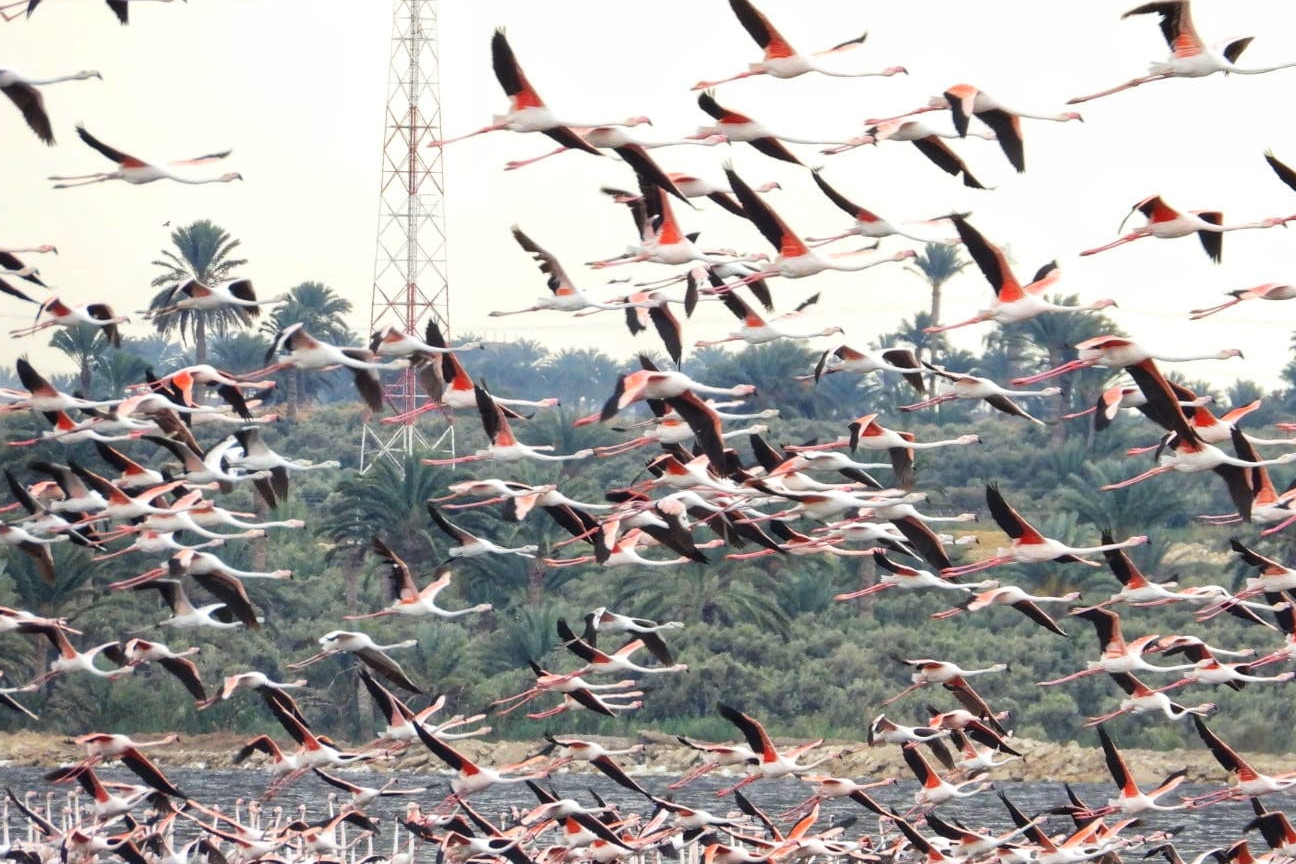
1219	825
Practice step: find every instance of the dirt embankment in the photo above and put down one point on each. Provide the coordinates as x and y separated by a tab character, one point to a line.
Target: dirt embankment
662	754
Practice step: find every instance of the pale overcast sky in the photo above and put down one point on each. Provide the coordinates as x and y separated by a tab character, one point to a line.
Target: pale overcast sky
296	89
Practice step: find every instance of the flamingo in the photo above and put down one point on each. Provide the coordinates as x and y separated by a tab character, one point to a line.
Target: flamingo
21	90
653	383
1245	781
184	614
1013	301
899	359
771	763
1021	600
1132	800
1209	670
795	258
1186	451
1118	656
781	60
410	599
566	296
527	112
1267	291
867	223
1167	223
1142	699
1029	546
367	652
965	101
363	796
1190	57
468	545
900	576
41	394
866	432
661	239
473	777
756	330
936	790
630	147
136	171
303	351
504	447
927	140
196	295
136	652
1118	352
965	386
597	661
929	671
714	756
70	659
59	314
732	126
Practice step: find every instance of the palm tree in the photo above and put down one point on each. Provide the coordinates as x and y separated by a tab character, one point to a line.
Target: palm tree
938	263
203	252
84	343
321	312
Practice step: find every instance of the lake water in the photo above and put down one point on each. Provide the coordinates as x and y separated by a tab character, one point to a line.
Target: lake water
1218	825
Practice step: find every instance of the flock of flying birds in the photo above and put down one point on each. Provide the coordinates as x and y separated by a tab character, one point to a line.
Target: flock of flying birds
157	504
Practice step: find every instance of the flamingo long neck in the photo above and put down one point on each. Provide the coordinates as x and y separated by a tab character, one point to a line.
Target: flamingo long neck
76	76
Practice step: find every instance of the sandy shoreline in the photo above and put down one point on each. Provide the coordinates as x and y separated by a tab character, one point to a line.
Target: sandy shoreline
662	754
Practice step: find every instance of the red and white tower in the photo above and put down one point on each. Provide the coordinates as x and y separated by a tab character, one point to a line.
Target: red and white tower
410	285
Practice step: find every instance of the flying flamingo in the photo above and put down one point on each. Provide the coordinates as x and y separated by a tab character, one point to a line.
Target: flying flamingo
1029	546
1142	699
59	314
781	60
899	359
1244	781
630	147
1186	451
732	126
136	171
757	330
193	294
468	545
301	350
22	91
1013	301
965	101
1118	352
867	223
367	652
70	659
655	384
136	652
661	239
1267	291
795	257
1022	601
1190	57
527	111
936	790
771	762
929	671
965	386
900	576
927	140
473	777
410	599
866	432
566	297
41	395
504	447
1166	223
1132	800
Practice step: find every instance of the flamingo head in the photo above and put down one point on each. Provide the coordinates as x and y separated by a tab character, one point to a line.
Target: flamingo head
233	175
638	121
895	70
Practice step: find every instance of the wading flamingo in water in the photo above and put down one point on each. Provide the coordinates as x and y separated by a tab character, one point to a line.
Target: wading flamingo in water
1190	57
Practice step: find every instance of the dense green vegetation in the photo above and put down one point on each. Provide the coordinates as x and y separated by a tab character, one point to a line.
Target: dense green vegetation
764	633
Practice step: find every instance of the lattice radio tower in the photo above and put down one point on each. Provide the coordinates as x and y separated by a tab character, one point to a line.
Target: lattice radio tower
410	286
